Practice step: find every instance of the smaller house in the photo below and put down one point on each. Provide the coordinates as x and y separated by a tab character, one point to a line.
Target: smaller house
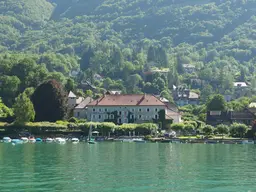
240	84
172	112
80	110
73	100
153	70
173	115
183	97
98	77
188	68
228	117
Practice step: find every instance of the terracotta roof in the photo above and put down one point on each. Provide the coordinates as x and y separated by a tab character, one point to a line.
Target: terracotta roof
127	100
84	103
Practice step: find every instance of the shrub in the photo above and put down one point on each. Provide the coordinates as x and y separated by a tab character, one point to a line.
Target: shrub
238	129
73	120
208	130
222	129
177	126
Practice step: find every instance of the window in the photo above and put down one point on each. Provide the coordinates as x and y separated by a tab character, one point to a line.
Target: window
147	109
78	114
132	110
106	110
139	109
119	121
120	112
156	116
111	116
140	116
93	110
106	116
99	109
131	116
93	116
99	116
156	109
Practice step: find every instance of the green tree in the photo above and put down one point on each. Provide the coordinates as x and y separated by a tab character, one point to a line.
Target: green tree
239	129
70	85
216	103
9	88
177	127
208	130
50	101
222	129
188	128
5	111
23	109
206	92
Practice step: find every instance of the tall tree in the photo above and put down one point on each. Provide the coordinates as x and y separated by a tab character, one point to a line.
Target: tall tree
206	93
86	57
50	101
151	54
23	109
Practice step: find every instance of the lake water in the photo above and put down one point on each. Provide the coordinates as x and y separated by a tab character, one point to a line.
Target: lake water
126	167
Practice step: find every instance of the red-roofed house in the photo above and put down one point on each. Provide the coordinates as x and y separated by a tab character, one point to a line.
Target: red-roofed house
121	109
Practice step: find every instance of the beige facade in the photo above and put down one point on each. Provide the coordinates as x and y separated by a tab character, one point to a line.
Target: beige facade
124	113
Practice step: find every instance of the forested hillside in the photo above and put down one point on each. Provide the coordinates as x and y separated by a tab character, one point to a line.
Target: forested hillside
42	39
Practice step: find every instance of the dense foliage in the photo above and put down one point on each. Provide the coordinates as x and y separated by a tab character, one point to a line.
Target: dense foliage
120	40
50	102
23	109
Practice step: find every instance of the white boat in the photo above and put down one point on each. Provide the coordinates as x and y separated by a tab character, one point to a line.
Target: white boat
32	140
7	140
24	139
75	140
17	141
60	140
127	140
139	140
49	140
248	142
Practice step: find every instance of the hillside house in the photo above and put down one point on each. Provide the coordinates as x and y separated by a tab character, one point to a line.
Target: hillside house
228	117
183	97
188	68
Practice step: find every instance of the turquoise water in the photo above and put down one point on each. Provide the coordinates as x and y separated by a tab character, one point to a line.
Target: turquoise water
126	167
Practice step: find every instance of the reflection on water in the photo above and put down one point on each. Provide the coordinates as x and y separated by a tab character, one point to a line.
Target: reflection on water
127	167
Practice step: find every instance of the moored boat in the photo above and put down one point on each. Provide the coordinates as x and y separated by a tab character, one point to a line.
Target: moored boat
17	141
60	140
24	139
175	141
48	140
247	142
7	139
166	141
211	142
127	140
139	140
75	140
31	139
39	140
